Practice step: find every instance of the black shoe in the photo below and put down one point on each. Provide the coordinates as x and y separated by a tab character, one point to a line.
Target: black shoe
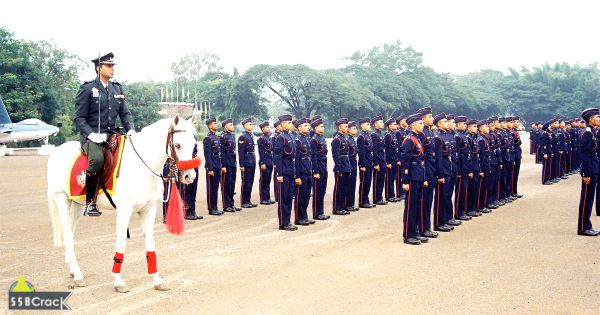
229	209
590	232
449	226
517	195
215	212
422	239
191	217
473	214
311	221
199	217
501	202
493	205
556	180
511	198
392	200
465	217
430	234
91	210
401	198
302	222
443	228
381	202
246	205
272	201
453	222
547	183
564	177
341	212
351	209
237	209
265	203
367	206
485	210
288	227
412	241
322	217
253	205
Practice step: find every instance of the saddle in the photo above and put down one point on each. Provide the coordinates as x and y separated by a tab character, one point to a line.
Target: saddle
109	157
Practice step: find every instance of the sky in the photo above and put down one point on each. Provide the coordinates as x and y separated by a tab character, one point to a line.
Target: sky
455	36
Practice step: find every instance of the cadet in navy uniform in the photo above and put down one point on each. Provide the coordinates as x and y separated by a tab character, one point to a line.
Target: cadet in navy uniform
495	165
379	161
212	165
486	155
318	149
574	133
352	154
311	134
590	169
412	157
229	169
97	105
365	162
518	155
443	172
304	173
547	152
278	131
265	161
475	169
341	168
465	173
392	160
426	138
247	163
285	170
189	191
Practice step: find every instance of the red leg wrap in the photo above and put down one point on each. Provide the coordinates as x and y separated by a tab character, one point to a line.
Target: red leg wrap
118	260
151	260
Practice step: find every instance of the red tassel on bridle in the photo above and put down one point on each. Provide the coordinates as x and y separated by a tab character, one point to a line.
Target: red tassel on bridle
174	220
189	164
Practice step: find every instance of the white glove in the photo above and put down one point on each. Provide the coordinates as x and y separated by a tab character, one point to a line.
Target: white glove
94	137
131	132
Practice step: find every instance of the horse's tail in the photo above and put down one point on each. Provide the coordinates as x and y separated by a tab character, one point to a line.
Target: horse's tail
56	225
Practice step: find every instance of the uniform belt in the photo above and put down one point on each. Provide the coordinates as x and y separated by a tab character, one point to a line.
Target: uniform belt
249	152
344	155
216	154
305	158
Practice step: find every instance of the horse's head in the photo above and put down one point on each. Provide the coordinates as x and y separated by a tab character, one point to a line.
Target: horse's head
180	147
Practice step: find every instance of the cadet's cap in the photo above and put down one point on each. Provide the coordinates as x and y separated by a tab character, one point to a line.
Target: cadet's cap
210	120
414	117
471	121
493	118
482	122
400	118
246	120
226	121
285	117
376	118
351	124
546	125
341	121
294	122
390	121
588	113
364	120
104	60
276	123
316	117
439	117
451	117
424	111
263	124
315	123
460	119
301	121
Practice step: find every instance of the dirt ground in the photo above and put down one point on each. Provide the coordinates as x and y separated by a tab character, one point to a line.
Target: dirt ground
523	258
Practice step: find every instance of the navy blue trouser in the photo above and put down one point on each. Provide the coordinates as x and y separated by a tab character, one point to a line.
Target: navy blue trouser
265	183
440	207
494	183
506	180
514	179
547	169
390	180
189	195
449	191
411	209
228	186
275	186
319	189
483	190
302	197
586	201
461	195
212	188
284	207
426	203
471	197
364	187
339	190
247	183
400	193
351	192
378	183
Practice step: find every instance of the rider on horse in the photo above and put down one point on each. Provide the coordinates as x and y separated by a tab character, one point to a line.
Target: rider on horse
97	104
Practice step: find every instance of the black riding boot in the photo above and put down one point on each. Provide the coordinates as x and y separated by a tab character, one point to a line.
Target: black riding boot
91	189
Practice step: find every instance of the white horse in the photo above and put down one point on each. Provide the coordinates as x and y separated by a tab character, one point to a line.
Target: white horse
137	190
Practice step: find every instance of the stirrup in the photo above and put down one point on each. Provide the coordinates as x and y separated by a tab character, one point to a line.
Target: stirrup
91	210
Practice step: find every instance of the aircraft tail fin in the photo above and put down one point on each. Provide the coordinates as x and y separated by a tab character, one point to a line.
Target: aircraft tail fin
4	118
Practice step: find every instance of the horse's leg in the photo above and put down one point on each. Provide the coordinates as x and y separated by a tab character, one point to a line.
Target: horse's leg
148	218
123	217
66	219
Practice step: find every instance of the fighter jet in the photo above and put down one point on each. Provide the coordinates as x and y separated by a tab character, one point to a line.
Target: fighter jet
28	129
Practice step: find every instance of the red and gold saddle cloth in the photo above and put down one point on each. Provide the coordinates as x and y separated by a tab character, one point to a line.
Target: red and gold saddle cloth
76	185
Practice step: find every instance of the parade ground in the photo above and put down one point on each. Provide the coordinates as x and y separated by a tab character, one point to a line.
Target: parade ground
524	257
